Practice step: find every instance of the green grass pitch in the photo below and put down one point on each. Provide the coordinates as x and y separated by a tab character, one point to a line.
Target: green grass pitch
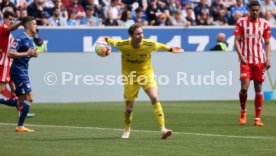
202	128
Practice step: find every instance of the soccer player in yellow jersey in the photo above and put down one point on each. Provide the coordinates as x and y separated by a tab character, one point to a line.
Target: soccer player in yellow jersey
138	72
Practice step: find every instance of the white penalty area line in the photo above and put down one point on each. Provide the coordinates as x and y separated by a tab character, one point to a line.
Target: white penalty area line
148	131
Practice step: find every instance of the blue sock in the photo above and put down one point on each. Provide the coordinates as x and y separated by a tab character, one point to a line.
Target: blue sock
9	101
24	112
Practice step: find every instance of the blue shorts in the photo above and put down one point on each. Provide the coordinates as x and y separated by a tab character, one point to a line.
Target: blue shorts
22	86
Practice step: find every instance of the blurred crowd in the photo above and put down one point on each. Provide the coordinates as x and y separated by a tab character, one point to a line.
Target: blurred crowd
126	12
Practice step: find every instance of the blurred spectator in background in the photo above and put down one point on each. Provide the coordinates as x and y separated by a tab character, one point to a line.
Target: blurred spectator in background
8	8
268	5
183	3
202	5
1	18
126	20
115	8
40	44
216	7
222	19
189	15
73	20
66	3
152	11
139	17
22	13
48	4
63	10
90	19
221	45
78	9
162	20
162	4
235	18
44	20
228	3
7	3
56	19
239	6
139	4
21	4
98	9
178	20
36	10
173	7
110	21
269	17
48	7
204	18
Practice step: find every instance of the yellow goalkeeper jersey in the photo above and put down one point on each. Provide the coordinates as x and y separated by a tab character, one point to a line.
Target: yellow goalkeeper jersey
137	59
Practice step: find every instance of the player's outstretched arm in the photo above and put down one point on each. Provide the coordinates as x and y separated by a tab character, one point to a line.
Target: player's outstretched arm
14	26
108	40
30	52
177	50
164	47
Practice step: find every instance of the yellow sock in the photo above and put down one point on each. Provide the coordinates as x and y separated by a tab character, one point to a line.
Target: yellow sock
159	114
128	119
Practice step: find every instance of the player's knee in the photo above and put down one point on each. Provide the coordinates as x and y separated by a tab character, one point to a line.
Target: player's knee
29	99
129	110
258	90
154	99
244	90
2	88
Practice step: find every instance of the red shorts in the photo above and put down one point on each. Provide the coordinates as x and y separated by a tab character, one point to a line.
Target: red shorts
5	74
252	71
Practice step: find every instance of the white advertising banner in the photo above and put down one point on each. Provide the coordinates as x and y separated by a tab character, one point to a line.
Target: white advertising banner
86	77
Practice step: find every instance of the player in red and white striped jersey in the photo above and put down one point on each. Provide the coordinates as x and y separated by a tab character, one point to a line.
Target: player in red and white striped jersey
6	39
251	33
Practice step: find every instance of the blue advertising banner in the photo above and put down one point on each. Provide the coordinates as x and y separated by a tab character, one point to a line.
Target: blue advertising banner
193	39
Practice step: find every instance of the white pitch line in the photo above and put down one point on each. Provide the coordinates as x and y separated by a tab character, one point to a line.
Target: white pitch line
147	131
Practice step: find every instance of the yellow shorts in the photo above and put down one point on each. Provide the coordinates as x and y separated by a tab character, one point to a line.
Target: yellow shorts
131	89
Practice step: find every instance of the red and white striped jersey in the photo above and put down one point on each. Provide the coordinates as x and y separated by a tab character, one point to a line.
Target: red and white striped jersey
252	38
5	62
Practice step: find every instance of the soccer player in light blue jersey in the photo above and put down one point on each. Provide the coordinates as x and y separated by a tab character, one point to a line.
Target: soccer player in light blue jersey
22	50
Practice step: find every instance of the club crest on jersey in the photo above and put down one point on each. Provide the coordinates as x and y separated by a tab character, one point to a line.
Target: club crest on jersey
143	55
14	44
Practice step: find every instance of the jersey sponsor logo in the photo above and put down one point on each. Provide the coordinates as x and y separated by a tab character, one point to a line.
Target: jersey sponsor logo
14	44
252	36
134	61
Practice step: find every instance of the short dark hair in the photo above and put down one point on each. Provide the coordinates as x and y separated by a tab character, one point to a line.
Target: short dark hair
7	14
254	3
139	10
27	19
133	27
